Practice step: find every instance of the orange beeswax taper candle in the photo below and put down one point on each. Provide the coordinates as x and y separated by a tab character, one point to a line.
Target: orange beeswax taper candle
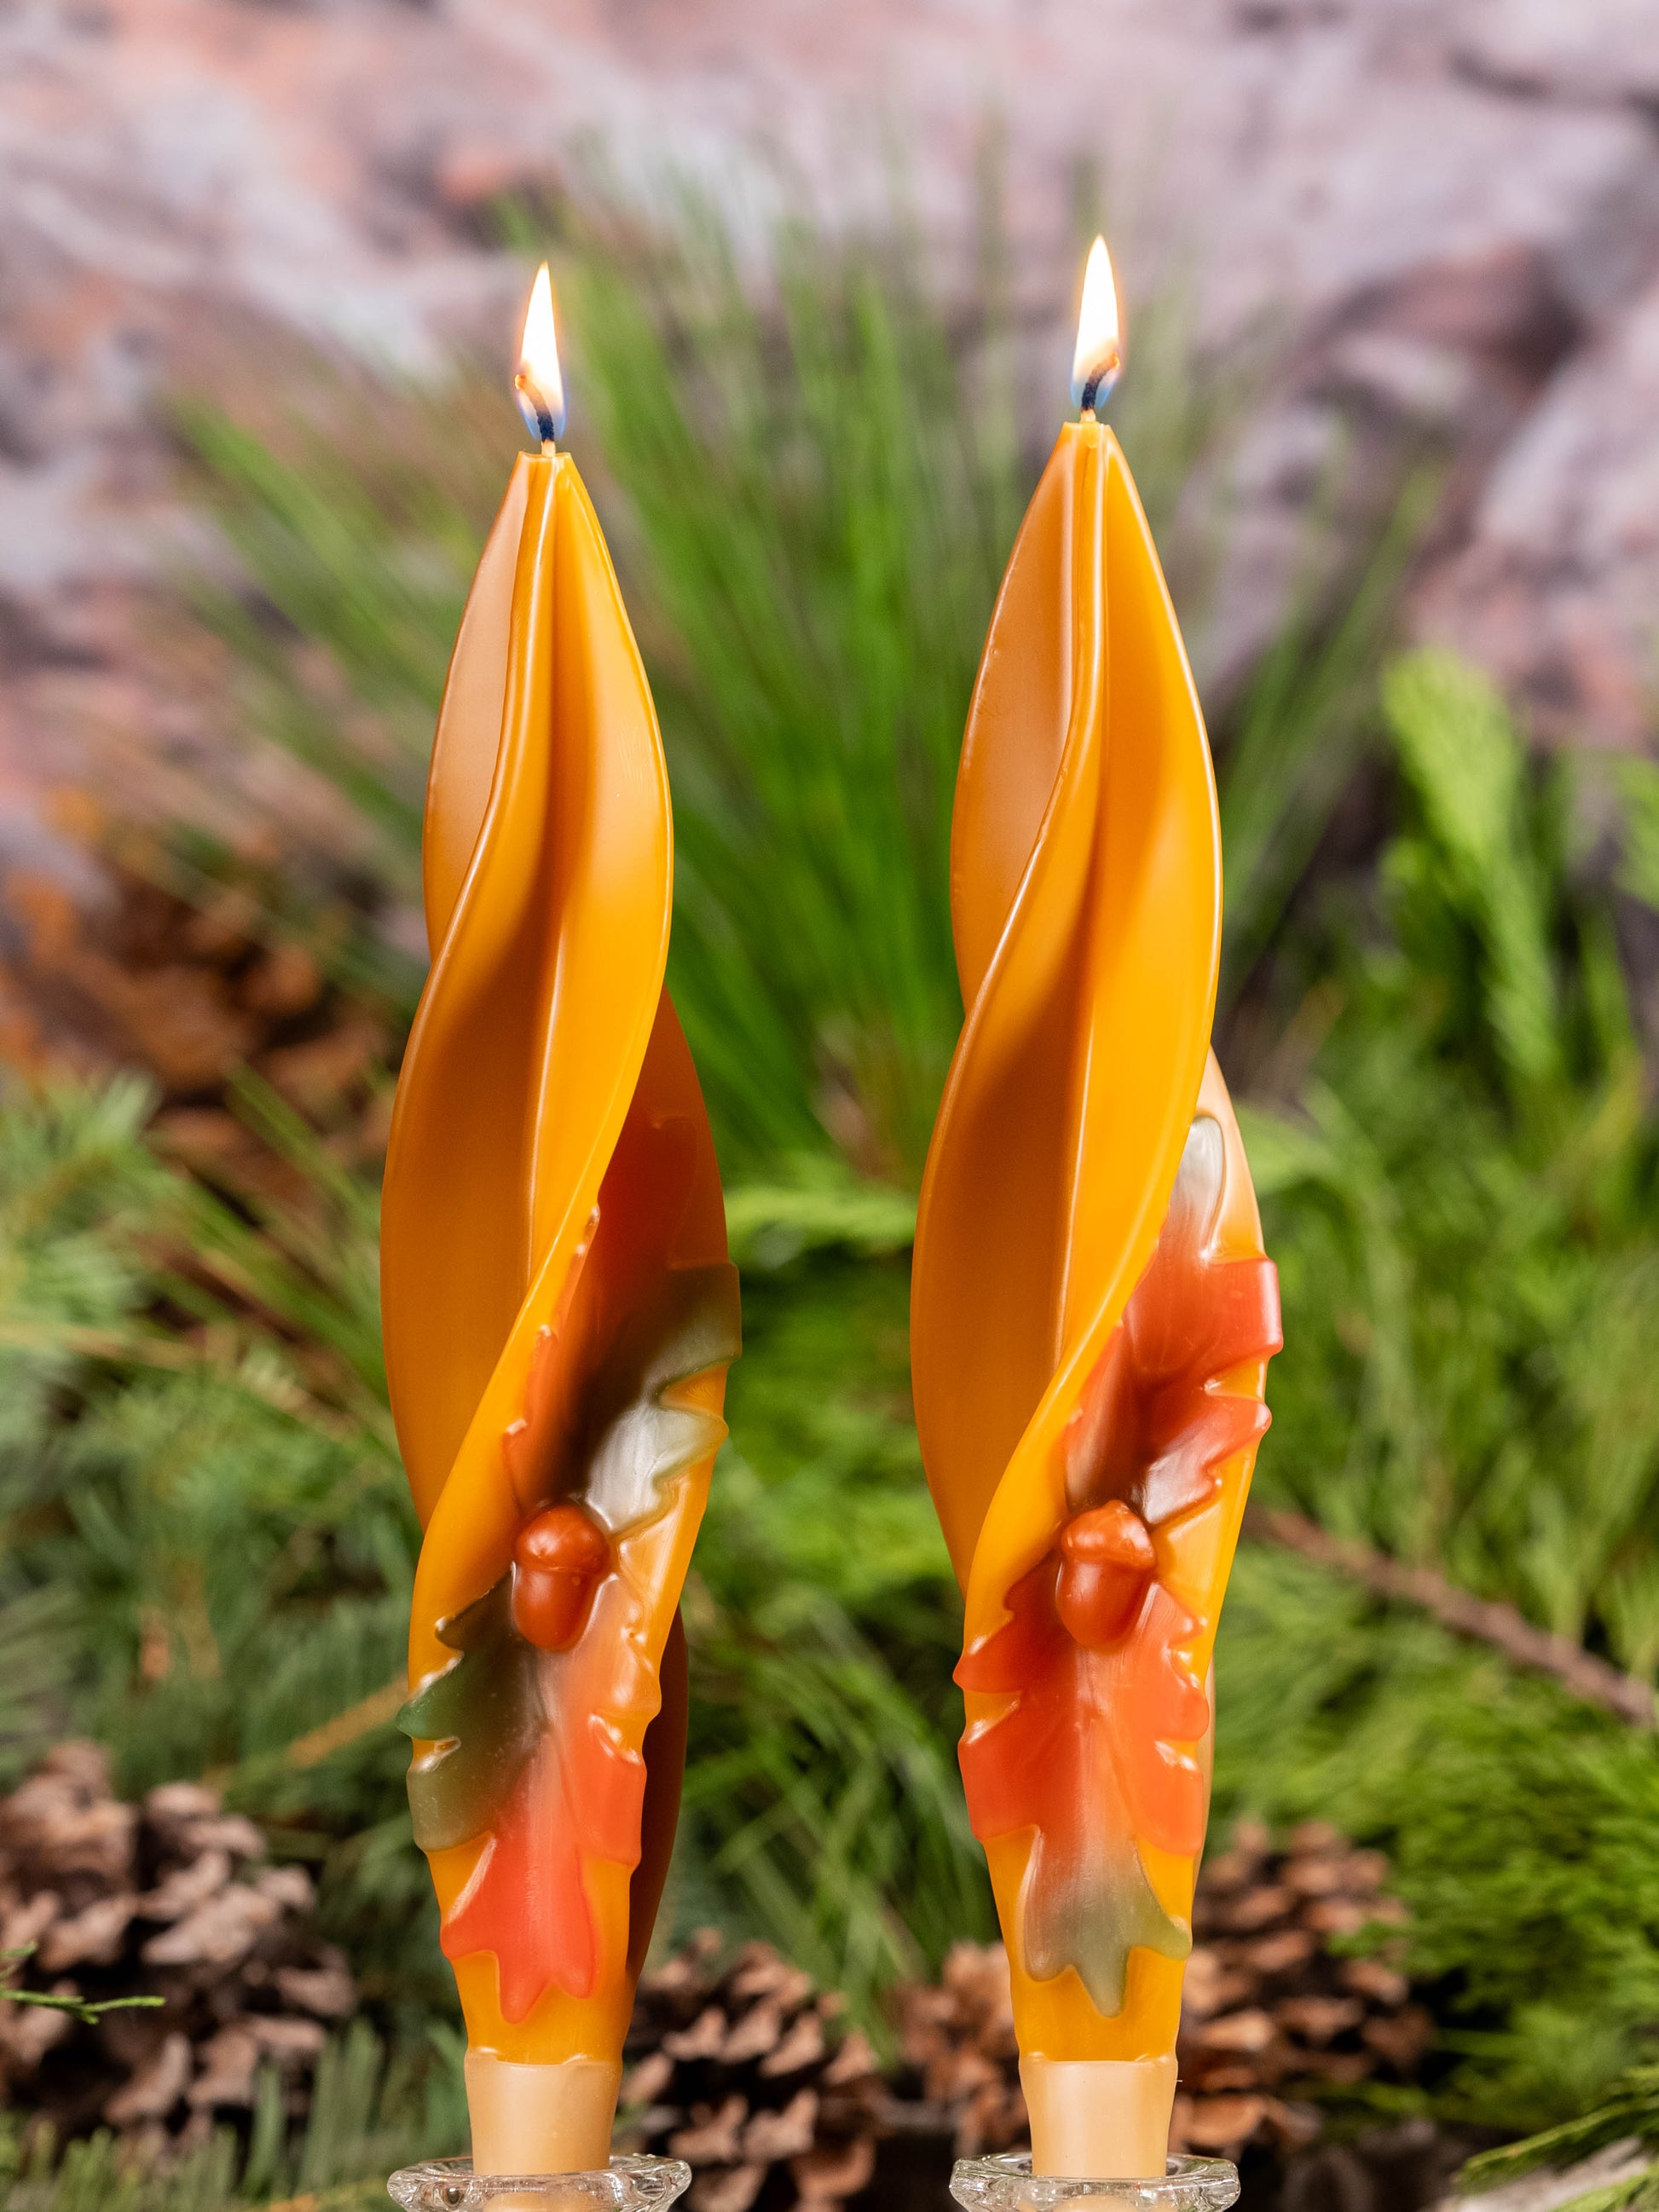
1092	1311
559	1314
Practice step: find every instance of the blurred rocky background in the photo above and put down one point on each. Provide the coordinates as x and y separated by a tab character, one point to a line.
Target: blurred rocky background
1447	211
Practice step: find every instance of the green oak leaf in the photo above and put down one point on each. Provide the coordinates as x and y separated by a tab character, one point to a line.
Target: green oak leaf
483	1714
1094	1918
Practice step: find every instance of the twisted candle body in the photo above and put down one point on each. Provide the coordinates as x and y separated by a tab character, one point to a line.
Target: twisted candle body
559	1309
1091	1313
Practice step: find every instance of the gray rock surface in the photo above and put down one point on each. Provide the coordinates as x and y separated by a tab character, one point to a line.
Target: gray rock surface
1452	207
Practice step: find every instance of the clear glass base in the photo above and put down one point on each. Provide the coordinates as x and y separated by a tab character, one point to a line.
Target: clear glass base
1008	2184
627	2184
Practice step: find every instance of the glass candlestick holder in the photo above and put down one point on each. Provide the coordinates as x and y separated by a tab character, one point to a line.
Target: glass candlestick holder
627	2184
1008	2184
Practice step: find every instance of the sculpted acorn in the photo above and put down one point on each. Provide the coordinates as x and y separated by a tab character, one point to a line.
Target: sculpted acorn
559	1559
1106	1563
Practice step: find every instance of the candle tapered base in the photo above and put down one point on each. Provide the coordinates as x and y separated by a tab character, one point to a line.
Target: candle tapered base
1101	2116
553	2118
626	2184
1008	2184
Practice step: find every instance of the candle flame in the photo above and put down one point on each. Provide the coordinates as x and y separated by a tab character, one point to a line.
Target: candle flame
1099	360
539	385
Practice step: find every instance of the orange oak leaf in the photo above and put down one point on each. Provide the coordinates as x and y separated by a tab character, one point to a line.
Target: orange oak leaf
578	1799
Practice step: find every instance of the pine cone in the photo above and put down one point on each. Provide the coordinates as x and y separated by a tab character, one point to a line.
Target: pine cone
191	993
1270	2013
734	2066
957	2038
167	1899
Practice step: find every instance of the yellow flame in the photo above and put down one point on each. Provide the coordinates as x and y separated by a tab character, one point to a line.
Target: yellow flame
1099	355
539	383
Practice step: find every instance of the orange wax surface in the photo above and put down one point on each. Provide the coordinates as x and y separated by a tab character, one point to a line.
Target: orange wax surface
1092	1312
559	1307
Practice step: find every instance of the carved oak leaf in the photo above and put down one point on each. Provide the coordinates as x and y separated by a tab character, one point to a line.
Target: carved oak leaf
1098	1750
